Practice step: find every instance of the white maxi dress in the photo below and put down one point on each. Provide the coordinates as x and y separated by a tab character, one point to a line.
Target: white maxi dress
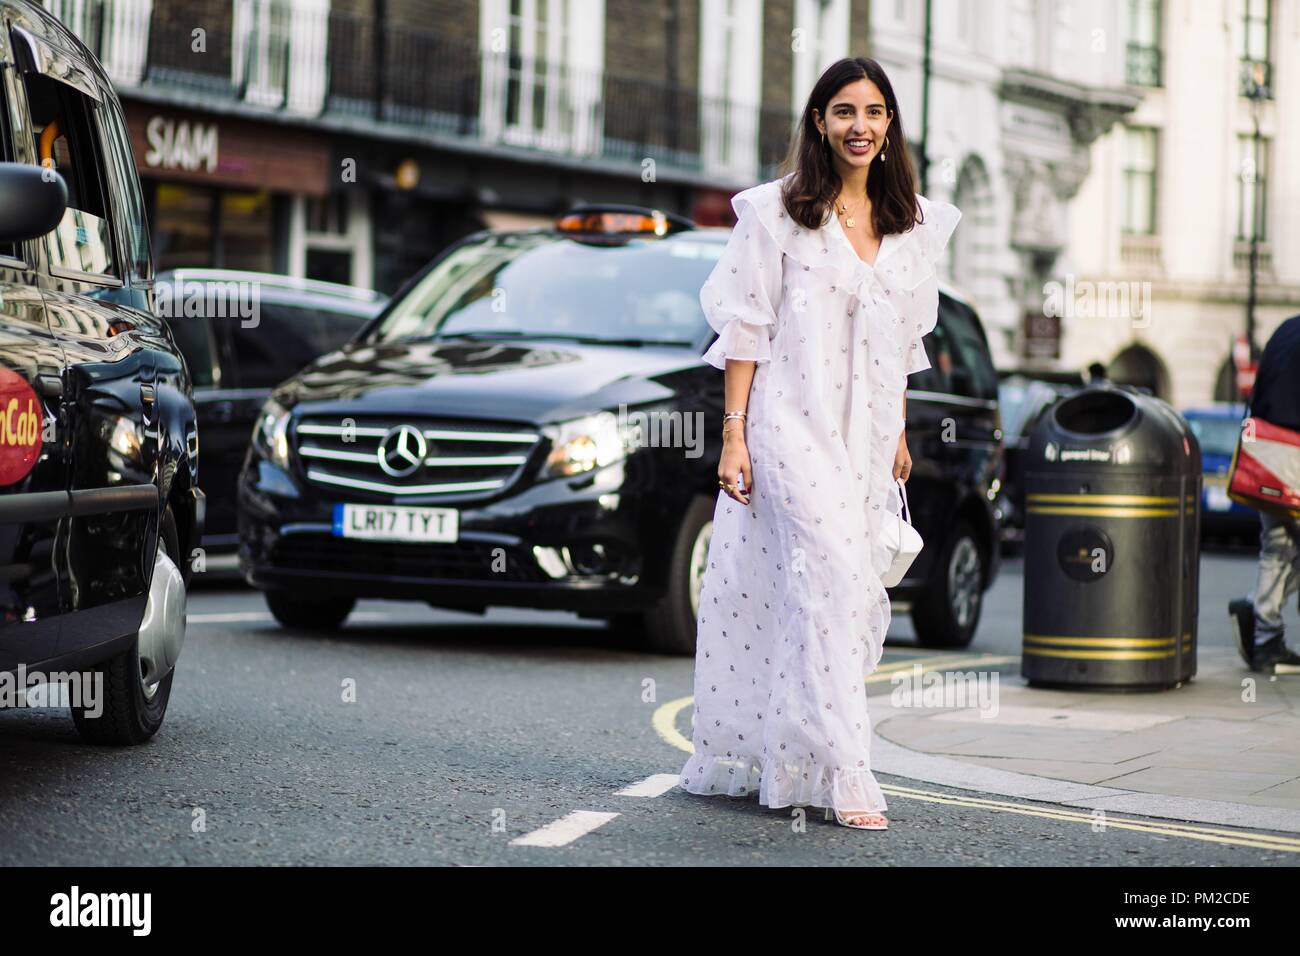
793	614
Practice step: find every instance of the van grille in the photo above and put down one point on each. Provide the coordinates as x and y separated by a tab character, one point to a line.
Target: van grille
424	457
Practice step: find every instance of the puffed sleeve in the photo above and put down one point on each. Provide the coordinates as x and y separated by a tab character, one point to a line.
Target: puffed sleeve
941	219
742	295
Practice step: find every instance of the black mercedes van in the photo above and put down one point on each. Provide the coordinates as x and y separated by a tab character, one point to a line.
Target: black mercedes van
529	423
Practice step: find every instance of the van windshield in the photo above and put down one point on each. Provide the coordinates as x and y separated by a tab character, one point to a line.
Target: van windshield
541	284
1217	436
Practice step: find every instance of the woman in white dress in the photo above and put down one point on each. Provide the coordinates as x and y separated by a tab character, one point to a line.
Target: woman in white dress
820	299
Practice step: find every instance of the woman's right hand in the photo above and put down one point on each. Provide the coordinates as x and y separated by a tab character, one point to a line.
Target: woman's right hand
735	461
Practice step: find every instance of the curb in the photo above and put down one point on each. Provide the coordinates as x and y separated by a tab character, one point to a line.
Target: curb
891	758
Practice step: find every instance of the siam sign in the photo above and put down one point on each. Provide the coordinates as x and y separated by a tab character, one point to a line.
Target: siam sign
181	144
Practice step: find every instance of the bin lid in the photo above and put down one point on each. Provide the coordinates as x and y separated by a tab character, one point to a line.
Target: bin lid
1106	427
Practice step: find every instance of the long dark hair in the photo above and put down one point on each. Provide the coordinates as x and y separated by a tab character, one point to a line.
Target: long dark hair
810	192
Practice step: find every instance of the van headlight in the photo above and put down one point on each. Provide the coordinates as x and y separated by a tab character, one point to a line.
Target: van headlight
271	433
586	443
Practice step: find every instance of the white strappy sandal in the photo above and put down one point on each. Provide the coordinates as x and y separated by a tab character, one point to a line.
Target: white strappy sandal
843	821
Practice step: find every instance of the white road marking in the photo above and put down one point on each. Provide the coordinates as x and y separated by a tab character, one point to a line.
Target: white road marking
234	617
655	786
229	618
566	829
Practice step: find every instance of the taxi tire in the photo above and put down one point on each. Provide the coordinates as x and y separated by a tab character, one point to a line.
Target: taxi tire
128	718
669	626
933	618
308	613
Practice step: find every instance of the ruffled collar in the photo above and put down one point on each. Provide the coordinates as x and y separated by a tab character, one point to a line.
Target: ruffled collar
887	243
902	257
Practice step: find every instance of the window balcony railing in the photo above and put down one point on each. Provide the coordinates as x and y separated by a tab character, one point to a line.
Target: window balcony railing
1141	253
1263	256
300	57
1143	65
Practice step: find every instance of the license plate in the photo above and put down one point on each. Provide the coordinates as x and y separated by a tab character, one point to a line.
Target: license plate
1216	498
396	523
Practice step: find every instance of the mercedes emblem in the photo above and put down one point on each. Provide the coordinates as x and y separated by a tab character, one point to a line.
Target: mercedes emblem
402	451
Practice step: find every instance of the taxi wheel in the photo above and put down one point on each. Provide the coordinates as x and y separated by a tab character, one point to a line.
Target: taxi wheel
134	696
949	611
669	627
309	612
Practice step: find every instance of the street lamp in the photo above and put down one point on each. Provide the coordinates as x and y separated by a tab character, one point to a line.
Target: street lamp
1256	90
927	69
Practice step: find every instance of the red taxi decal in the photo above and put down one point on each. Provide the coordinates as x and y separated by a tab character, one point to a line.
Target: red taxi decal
21	417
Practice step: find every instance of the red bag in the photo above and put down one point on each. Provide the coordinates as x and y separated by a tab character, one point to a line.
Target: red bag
1265	469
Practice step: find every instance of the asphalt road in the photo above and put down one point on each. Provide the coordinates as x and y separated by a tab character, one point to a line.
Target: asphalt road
467	734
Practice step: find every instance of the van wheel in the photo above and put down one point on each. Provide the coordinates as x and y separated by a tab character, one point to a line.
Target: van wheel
308	613
669	626
947	614
137	683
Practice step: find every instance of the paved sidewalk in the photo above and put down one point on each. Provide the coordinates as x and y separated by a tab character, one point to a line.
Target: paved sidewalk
1203	752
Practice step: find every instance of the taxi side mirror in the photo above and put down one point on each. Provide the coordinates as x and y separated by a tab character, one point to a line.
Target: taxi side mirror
32	201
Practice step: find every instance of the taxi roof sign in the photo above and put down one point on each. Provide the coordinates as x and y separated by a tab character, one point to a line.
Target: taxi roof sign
621	220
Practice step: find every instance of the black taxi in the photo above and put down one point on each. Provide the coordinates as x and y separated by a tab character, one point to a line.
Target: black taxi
529	422
99	504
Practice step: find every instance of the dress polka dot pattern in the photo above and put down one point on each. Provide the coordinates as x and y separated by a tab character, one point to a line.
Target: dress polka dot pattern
793	614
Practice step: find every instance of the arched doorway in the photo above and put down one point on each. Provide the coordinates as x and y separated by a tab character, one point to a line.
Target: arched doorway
1137	365
1225	382
975	243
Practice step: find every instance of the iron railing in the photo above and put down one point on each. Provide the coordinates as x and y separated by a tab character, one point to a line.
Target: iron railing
1143	65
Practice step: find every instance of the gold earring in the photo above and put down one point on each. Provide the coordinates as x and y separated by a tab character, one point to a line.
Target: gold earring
886	149
823	139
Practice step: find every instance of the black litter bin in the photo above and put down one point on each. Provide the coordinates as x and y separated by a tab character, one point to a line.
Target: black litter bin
1112	543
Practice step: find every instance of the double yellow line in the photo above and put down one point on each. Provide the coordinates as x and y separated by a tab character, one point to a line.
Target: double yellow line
1263	841
664	722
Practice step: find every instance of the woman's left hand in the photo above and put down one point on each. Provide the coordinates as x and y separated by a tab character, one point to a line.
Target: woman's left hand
902	459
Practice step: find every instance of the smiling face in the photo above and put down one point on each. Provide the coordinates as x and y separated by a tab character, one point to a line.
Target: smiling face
855	123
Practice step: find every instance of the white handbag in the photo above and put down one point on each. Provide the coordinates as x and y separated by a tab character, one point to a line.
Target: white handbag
901	540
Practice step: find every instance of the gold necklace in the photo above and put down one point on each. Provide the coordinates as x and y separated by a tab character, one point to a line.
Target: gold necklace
843	211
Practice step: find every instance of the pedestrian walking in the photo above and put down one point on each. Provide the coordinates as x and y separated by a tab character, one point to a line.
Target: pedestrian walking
1258	625
820	298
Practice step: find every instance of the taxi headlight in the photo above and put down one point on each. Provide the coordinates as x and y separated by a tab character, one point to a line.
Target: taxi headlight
271	433
586	443
124	438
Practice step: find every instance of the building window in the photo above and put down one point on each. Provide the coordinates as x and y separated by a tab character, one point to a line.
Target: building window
245	238
117	32
1252	193
822	38
202	227
730	77
1143	63
1139	180
279	53
1256	65
542	63
536	104
184	219
336	238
